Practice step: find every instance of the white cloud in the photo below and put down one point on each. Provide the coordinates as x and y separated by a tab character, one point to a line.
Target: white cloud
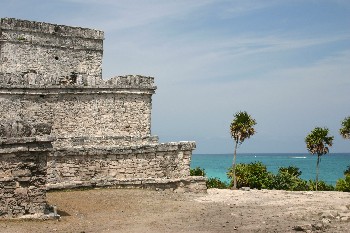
124	14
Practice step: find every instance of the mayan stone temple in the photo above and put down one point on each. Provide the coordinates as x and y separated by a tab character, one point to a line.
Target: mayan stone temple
63	126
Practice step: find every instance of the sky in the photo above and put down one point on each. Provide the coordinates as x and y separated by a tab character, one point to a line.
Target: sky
285	62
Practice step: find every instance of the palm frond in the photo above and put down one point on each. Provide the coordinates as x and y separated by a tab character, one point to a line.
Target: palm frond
345	129
242	126
318	141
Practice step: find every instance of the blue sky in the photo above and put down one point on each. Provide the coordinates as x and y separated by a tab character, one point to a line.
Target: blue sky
286	62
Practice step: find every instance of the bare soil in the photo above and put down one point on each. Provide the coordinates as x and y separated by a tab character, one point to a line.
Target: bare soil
136	210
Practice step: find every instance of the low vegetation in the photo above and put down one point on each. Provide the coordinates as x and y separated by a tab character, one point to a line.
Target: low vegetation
288	178
321	186
216	183
344	184
211	182
256	176
197	172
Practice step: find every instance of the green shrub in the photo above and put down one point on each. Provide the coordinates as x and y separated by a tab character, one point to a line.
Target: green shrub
292	170
321	186
216	183
343	184
211	182
197	172
287	178
253	175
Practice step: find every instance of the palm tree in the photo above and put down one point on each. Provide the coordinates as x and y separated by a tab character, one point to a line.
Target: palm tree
317	142
242	127
345	129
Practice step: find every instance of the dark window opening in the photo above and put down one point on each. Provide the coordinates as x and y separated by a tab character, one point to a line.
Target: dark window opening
73	77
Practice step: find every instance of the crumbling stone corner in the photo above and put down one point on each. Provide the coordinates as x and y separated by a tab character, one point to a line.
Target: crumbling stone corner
23	163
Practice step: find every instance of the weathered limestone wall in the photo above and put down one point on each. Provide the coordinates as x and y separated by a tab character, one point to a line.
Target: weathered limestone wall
55	53
23	163
74	167
82	112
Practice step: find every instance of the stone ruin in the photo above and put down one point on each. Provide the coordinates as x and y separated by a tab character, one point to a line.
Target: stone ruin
24	150
57	111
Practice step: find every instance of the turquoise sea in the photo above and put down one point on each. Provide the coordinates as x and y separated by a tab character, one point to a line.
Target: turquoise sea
332	165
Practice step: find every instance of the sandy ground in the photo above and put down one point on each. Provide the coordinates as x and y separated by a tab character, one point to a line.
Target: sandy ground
135	210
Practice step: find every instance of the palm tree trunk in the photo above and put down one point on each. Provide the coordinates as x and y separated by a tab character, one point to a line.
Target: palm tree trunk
318	161
234	166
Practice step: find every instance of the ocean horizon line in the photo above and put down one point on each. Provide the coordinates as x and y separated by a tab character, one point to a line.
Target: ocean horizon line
273	153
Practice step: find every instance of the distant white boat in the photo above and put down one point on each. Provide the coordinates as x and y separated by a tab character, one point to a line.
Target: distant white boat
298	157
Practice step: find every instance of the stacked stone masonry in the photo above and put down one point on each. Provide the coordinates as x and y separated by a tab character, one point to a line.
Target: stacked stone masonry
49	53
51	74
115	165
85	113
23	161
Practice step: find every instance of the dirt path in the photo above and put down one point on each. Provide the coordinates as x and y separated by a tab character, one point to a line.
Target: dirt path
134	210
